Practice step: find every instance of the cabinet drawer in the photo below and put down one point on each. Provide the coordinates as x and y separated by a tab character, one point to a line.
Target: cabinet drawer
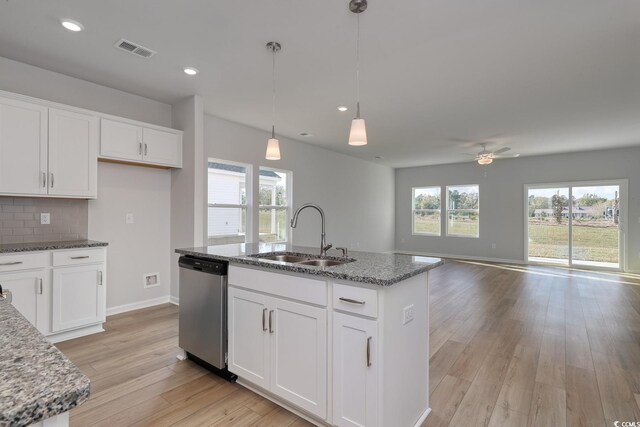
79	256
352	299
14	262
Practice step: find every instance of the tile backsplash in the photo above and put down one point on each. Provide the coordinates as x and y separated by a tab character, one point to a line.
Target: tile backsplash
20	219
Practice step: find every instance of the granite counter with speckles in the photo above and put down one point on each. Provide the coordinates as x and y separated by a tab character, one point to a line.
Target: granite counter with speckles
365	267
36	380
49	246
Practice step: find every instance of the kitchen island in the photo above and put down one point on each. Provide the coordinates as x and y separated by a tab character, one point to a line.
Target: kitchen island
344	344
38	384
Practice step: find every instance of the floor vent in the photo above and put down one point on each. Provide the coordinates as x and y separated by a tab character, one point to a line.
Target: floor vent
134	48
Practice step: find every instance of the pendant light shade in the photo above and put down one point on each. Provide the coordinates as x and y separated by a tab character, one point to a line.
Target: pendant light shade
273	149
273	145
358	134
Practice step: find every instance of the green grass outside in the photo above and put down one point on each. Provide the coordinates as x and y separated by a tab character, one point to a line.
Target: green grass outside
431	224
590	243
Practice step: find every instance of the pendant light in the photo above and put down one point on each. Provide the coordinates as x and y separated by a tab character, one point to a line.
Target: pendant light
358	134
273	145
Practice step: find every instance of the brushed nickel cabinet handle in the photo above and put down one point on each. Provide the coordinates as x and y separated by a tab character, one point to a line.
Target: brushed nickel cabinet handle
264	319
79	257
368	351
40	287
145	149
100	278
44	180
11	263
351	301
140	148
270	322
52	177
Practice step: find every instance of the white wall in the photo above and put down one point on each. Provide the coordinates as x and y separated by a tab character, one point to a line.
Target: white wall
357	196
135	249
502	199
138	248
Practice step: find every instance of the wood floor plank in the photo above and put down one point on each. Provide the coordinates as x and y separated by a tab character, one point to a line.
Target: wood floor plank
506	342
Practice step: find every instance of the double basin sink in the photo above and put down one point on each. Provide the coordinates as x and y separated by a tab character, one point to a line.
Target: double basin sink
305	260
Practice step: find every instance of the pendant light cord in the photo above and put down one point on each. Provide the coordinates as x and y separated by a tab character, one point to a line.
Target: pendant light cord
273	101
358	66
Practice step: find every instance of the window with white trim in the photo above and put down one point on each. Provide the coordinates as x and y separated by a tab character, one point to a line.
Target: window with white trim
227	202
426	210
463	213
274	205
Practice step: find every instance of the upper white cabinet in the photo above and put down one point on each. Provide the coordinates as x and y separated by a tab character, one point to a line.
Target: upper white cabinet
131	142
73	154
23	148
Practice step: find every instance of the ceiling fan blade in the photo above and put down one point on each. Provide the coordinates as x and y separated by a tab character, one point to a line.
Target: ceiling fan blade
502	150
509	156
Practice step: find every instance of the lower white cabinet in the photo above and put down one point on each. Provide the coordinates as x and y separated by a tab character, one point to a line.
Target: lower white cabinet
62	293
355	371
30	294
77	297
281	346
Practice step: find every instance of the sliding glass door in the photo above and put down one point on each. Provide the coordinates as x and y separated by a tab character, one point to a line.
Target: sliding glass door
576	225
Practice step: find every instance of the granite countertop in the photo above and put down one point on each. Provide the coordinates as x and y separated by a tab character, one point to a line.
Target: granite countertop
49	246
36	380
381	269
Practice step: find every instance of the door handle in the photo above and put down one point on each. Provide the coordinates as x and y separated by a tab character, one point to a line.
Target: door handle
270	322
100	278
79	257
368	351
51	173
44	180
140	148
145	149
40	286
351	301
11	263
264	319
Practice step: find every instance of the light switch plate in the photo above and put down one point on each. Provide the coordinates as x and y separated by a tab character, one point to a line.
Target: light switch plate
45	218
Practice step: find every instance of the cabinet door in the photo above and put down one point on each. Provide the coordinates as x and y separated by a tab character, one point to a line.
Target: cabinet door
23	148
78	296
30	296
73	154
119	140
249	336
162	147
355	376
299	355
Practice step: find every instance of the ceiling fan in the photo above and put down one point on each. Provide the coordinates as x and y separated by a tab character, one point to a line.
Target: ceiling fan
486	157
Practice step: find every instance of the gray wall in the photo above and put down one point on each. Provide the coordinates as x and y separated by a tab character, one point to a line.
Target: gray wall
135	249
20	219
502	199
357	196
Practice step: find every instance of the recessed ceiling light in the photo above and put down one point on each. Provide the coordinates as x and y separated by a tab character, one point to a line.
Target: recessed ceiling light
307	134
342	108
72	25
191	71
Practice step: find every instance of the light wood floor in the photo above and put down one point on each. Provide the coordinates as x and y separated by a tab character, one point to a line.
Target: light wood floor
510	346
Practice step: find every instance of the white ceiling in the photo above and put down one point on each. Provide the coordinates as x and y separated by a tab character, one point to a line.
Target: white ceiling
541	76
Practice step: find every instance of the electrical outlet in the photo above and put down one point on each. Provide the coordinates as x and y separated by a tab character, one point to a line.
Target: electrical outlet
45	218
493	246
407	314
129	218
151	280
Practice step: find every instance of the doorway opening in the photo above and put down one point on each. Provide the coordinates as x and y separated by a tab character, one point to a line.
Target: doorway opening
576	224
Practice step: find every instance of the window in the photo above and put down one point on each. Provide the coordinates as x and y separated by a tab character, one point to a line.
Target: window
274	205
426	211
227	202
463	211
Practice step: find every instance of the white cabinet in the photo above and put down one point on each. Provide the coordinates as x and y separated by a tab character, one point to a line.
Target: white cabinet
23	147
131	142
281	346
30	295
73	154
78	297
355	371
248	336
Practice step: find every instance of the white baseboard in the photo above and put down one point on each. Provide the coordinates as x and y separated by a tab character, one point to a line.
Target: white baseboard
137	305
462	257
174	300
76	333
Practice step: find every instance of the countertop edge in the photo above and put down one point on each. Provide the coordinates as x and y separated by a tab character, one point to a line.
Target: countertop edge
49	246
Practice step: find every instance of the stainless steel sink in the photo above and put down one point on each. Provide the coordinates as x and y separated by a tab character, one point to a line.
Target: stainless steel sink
285	258
322	262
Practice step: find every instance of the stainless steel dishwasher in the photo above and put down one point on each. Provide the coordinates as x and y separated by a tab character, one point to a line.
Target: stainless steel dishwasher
202	331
